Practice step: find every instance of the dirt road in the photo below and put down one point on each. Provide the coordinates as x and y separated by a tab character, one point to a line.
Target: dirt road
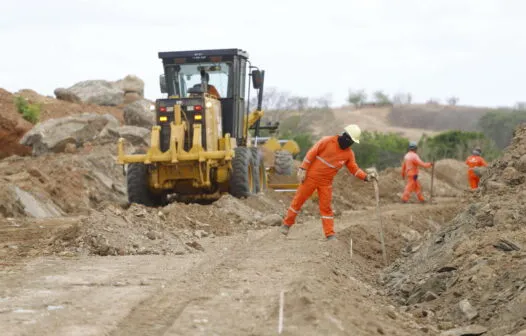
231	288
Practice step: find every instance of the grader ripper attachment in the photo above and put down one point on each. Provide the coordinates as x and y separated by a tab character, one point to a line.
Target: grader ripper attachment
200	145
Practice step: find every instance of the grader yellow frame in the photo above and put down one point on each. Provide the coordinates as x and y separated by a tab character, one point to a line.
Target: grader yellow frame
200	146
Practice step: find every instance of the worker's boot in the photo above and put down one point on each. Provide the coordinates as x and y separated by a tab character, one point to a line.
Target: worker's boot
284	229
331	237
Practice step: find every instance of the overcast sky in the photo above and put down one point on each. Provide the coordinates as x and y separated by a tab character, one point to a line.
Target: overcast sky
473	49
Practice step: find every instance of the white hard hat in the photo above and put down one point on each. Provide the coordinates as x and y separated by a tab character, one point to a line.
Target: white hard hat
354	132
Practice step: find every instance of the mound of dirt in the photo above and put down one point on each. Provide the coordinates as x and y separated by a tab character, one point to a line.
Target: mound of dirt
13	126
90	186
352	191
172	230
472	271
73	183
51	108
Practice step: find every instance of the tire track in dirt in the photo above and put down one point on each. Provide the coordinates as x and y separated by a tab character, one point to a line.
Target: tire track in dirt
155	315
237	293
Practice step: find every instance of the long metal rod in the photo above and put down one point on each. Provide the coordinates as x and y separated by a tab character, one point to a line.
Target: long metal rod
378	214
432	180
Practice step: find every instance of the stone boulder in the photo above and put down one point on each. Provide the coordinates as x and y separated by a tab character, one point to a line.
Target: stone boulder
139	114
66	95
135	135
130	97
103	92
99	92
131	84
54	135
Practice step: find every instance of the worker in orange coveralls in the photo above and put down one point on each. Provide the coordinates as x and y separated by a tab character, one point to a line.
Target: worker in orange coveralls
317	171
473	161
410	172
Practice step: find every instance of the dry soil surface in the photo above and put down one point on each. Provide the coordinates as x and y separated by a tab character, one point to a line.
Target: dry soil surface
230	286
75	259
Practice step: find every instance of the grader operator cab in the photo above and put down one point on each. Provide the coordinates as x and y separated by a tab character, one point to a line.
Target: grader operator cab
201	144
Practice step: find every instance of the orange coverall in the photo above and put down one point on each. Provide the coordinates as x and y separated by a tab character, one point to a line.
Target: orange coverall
472	162
213	91
321	163
410	171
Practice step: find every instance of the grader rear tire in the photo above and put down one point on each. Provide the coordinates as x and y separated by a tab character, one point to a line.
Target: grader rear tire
242	180
259	173
283	163
137	185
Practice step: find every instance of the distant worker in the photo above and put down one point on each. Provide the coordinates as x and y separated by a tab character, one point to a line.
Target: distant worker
474	161
410	172
317	172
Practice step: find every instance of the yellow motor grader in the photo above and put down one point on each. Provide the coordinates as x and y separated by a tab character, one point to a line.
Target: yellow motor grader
201	145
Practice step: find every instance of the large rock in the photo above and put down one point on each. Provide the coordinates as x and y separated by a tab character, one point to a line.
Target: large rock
66	95
135	135
131	84
54	134
99	92
138	114
472	330
130	97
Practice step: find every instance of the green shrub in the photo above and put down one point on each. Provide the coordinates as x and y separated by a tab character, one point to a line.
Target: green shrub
456	145
381	150
30	112
304	141
500	125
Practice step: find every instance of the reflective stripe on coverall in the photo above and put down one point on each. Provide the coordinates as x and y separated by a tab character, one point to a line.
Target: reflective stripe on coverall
321	163
472	162
410	171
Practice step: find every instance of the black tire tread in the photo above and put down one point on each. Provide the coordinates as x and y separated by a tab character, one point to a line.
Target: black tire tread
239	181
283	163
137	186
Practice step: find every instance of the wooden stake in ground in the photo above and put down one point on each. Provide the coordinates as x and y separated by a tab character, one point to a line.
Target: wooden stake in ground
281	304
432	180
377	195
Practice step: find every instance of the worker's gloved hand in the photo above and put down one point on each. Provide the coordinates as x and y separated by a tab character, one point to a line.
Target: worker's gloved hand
301	174
372	174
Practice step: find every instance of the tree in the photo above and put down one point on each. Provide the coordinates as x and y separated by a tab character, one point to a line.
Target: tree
381	98
402	99
452	101
380	149
456	145
433	101
499	125
357	98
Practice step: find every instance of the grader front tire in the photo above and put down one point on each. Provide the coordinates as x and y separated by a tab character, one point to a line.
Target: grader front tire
242	180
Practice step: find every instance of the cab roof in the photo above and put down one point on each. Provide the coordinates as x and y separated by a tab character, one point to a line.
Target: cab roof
203	53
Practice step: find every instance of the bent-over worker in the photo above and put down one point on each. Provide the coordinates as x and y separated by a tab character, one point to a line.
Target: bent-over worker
317	172
410	172
473	161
